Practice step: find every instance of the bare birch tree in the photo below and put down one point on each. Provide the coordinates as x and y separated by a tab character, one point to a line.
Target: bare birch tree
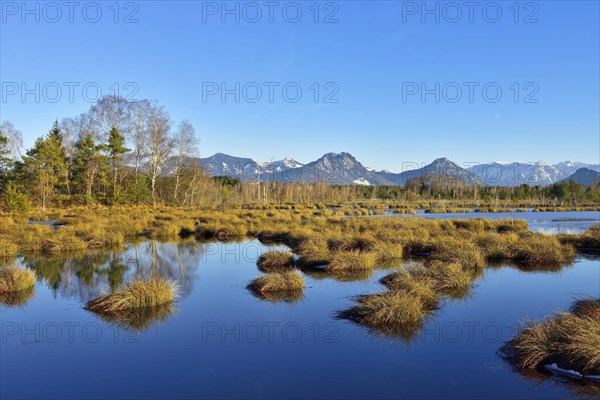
15	140
160	145
185	145
139	132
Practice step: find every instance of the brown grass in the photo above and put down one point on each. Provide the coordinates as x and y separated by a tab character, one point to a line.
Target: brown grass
572	340
290	281
275	261
351	261
138	295
15	279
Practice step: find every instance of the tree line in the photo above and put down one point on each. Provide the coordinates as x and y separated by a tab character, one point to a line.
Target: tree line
122	152
113	154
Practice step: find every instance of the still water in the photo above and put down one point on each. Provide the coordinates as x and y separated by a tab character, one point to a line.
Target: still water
546	222
222	342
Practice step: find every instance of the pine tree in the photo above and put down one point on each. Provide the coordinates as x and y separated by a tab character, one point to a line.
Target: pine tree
45	166
116	149
87	164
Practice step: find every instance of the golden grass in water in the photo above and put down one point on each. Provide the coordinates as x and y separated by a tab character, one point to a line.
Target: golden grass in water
289	281
275	261
569	339
138	295
351	261
15	279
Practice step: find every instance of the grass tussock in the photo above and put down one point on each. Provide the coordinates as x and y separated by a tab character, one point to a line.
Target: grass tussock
351	261
569	339
275	261
462	252
138	295
540	251
414	293
313	253
290	281
433	279
388	252
587	242
7	248
14	279
392	313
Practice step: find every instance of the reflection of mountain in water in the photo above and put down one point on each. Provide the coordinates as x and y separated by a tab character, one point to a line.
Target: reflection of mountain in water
86	276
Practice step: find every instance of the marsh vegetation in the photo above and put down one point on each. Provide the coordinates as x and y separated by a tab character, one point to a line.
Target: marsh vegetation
570	339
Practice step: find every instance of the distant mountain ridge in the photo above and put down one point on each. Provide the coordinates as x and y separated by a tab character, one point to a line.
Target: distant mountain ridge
344	169
584	176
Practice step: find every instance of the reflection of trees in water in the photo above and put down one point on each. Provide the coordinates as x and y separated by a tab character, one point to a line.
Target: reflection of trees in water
85	276
173	261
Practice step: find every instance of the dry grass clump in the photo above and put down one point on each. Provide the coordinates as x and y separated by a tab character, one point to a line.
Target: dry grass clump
358	244
138	295
15	279
587	308
7	248
313	252
360	275
351	261
462	252
386	310
540	251
495	246
386	252
431	280
290	281
275	261
571	340
588	242
414	293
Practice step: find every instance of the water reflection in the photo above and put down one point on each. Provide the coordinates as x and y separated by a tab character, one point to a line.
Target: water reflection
138	321
85	276
382	314
291	296
16	299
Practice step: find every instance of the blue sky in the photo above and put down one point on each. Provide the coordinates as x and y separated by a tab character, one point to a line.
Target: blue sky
374	61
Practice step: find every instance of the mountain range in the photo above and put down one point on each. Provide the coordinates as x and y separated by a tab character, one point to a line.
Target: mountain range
345	169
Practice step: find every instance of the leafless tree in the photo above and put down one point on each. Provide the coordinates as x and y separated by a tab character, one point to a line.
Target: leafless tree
139	132
185	145
111	111
15	139
160	145
74	129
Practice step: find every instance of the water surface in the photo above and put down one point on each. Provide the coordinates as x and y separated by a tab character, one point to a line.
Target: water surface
222	342
548	222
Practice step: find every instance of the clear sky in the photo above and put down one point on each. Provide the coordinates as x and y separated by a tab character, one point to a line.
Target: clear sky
373	57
